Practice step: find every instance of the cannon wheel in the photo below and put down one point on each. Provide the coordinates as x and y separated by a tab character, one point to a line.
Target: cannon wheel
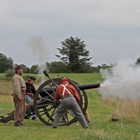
84	98
45	106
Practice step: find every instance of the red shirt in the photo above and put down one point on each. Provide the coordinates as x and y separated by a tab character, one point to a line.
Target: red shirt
59	92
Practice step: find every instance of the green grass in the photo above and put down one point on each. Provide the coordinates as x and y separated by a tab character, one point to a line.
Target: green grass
101	127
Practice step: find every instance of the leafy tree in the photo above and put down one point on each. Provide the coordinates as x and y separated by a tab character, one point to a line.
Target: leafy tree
96	69
138	61
28	70
9	73
5	63
75	55
34	69
57	67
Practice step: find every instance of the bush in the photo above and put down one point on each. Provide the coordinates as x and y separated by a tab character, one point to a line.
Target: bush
9	73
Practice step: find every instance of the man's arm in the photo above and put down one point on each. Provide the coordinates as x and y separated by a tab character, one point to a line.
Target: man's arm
75	93
17	87
58	93
33	89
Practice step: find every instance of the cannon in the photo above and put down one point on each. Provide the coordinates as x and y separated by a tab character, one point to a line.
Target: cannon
45	105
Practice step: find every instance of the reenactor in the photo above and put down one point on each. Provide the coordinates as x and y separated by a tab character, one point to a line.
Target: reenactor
19	88
29	98
69	100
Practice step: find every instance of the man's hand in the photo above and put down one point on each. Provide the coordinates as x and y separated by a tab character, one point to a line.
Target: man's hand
19	98
57	102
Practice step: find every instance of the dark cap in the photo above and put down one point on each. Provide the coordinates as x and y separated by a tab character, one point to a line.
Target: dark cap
18	67
32	78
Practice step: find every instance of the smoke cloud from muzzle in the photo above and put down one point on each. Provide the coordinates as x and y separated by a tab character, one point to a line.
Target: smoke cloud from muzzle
122	81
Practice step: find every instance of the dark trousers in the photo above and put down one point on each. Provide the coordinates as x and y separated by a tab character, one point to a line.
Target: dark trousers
70	102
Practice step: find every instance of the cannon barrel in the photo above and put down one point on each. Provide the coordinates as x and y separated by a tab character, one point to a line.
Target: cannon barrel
80	87
88	86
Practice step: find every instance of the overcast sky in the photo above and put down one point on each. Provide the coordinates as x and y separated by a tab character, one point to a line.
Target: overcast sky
110	28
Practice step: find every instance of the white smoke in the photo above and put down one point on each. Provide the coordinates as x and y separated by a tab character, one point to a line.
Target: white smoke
122	81
39	48
40	51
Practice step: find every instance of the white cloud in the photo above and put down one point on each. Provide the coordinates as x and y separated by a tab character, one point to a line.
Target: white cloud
81	11
103	24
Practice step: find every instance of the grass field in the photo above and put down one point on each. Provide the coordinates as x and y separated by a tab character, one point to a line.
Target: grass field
100	113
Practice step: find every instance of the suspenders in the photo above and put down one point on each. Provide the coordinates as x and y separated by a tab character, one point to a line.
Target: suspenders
65	89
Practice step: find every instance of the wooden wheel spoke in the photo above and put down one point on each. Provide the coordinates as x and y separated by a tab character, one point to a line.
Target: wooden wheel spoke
48	93
70	113
44	112
43	105
52	114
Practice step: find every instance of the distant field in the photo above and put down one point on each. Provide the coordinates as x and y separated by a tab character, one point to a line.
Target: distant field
100	113
6	83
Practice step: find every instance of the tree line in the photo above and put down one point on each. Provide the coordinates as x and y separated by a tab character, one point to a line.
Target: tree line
73	58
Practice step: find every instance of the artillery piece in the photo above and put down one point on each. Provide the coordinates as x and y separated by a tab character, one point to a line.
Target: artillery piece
45	104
